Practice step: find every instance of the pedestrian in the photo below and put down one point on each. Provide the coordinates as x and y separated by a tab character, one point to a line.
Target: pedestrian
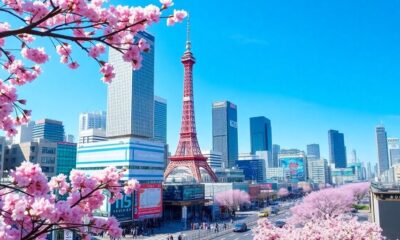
216	227
180	237
224	226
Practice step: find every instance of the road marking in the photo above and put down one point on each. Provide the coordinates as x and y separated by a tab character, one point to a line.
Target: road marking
236	239
222	238
246	234
231	235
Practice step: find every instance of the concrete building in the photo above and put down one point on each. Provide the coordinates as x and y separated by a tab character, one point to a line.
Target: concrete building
253	167
385	208
160	119
214	158
394	150
143	159
318	171
277	174
42	152
69	138
225	133
24	133
49	130
313	151
382	147
130	96
228	175
342	176
92	135
337	149
92	120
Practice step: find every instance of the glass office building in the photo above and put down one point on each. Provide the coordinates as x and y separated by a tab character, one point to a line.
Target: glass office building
337	149
260	134
130	97
47	129
224	130
382	144
160	119
66	157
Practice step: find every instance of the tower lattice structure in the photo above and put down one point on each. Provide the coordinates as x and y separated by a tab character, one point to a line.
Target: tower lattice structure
188	153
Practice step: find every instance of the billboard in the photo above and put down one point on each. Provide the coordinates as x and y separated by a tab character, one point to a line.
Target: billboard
148	201
293	168
122	209
184	192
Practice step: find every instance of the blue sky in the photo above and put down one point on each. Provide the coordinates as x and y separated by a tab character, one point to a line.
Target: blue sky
309	66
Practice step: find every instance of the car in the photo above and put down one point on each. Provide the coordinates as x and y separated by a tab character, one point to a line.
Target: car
240	227
354	210
273	203
263	214
279	224
274	210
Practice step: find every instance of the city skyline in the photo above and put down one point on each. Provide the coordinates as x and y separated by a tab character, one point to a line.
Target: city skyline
356	107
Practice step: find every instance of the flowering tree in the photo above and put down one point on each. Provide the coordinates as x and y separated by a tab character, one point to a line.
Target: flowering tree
307	188
326	203
283	192
359	190
332	228
88	25
31	207
232	199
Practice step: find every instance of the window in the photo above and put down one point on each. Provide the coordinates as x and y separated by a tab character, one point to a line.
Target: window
48	160
47	169
32	148
48	150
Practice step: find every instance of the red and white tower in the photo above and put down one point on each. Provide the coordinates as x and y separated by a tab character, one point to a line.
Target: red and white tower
188	153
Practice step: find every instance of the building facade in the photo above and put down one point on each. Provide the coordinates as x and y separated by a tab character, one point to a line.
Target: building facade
24	133
253	167
3	146
66	157
130	96
382	147
92	135
337	149
92	120
261	135
276	150
214	158
294	166
160	119
276	174
49	130
318	171
394	150
41	152
313	151
225	133
143	159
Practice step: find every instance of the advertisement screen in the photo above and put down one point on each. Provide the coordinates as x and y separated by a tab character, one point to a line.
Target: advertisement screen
294	168
148	201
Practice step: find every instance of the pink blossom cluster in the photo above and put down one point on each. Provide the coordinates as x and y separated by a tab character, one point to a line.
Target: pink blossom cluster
232	199
328	202
82	24
283	192
31	207
331	228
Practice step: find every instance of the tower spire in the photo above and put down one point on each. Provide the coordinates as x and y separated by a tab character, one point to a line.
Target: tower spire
188	43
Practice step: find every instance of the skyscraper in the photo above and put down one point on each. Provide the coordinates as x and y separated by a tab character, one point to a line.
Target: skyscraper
381	142
160	119
276	150
224	129
24	133
130	99
260	134
92	120
313	151
337	149
47	129
394	150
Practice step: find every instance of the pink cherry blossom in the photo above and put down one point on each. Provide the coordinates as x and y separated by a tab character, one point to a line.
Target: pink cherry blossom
166	3
108	73
36	55
96	50
73	65
232	199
